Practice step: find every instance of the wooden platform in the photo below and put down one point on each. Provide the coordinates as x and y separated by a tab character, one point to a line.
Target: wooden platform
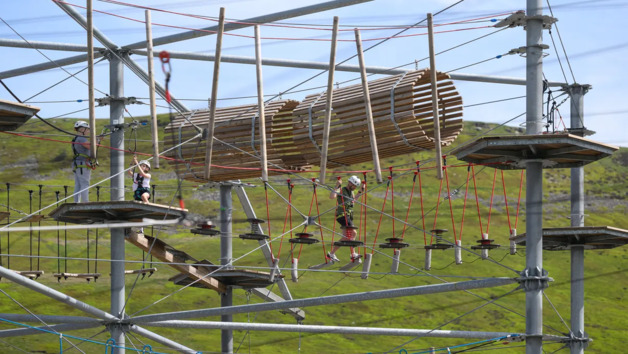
100	212
4	215
553	150
591	237
13	114
402	114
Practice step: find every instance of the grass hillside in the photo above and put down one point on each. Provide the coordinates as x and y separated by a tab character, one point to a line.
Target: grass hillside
30	164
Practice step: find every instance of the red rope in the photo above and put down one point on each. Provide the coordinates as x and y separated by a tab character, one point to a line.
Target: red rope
477	201
418	171
309	213
464	205
286	218
381	215
392	199
519	199
405	223
451	209
318	213
490	208
363	227
506	200
270	245
440	189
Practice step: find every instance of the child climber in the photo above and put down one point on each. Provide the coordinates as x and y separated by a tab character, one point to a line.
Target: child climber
344	211
141	180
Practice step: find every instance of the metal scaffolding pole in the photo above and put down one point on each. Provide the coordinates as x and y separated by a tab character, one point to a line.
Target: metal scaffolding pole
316	65
52	293
534	280
46	329
113	48
234	59
226	254
277	16
378	331
116	84
329	300
161	340
48	318
579	340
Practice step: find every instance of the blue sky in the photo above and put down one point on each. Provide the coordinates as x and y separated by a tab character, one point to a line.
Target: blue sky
592	32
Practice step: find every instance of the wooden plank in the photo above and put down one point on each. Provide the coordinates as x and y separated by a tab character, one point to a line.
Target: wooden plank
198	273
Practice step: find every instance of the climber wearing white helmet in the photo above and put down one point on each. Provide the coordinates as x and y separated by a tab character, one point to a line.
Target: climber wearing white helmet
344	212
141	180
81	162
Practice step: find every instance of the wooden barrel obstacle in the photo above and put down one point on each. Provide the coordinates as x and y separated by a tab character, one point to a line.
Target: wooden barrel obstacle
402	113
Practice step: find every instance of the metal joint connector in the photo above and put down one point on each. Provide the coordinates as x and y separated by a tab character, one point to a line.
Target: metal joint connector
534	279
519	18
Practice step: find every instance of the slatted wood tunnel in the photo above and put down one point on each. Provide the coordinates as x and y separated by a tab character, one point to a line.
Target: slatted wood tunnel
402	113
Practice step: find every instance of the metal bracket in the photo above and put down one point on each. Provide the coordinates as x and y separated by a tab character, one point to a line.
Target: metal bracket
309	111
519	18
534	279
392	110
580	340
105	101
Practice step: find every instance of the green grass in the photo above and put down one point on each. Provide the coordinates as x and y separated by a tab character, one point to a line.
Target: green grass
28	163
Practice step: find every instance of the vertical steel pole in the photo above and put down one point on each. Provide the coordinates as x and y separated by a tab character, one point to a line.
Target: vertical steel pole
534	181
226	254
116	85
90	80
577	219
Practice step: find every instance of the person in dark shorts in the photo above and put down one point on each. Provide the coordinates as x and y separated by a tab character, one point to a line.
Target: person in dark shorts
344	212
141	180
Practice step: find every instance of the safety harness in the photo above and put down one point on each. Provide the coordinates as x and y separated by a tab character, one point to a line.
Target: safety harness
88	159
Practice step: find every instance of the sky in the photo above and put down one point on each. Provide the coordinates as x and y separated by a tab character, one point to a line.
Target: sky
587	46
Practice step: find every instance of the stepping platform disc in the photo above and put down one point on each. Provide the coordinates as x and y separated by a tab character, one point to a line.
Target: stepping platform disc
553	150
348	243
242	278
205	231
592	237
13	114
439	246
100	212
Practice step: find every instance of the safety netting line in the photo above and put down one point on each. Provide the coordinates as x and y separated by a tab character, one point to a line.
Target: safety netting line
490	208
381	215
288	218
519	199
440	189
449	197
464	205
477	200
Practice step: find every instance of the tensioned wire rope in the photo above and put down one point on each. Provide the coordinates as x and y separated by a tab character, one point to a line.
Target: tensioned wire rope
35	316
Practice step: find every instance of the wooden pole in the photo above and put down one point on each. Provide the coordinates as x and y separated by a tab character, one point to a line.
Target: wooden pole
437	142
212	103
90	80
330	96
260	103
367	107
151	89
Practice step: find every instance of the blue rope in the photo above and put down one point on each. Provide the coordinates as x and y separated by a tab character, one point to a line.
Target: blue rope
448	349
61	335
